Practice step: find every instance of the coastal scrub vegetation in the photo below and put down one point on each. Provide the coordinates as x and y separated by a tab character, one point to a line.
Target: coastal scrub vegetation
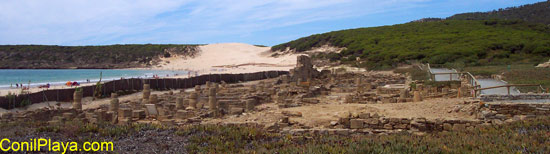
518	137
469	42
109	56
535	13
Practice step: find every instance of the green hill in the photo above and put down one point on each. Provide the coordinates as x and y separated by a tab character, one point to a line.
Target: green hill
469	42
535	13
111	56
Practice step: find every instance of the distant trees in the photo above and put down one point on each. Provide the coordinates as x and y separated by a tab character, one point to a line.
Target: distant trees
535	13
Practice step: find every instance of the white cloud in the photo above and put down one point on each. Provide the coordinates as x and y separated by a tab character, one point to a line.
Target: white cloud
78	22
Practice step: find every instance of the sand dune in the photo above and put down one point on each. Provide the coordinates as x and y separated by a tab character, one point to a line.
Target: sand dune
230	58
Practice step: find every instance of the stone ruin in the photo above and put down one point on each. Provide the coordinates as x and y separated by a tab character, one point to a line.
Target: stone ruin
304	86
304	69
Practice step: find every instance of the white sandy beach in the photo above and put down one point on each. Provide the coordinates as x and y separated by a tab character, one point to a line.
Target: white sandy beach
230	58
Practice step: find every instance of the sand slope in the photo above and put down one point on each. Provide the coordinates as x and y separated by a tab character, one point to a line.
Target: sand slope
230	58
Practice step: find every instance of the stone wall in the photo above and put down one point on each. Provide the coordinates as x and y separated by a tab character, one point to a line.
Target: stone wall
508	112
368	121
492	98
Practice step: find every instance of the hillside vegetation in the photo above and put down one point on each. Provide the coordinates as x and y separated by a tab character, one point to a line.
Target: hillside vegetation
535	13
467	42
112	56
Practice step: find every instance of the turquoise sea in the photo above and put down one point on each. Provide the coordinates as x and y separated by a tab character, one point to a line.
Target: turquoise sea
61	76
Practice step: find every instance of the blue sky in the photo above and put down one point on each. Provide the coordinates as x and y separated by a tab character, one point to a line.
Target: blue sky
265	22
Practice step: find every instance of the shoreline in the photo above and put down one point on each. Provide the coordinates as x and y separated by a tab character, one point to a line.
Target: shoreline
223	58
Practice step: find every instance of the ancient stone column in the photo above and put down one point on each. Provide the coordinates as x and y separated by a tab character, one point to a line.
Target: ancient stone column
216	86
193	100
179	103
417	97
212	102
250	104
114	102
153	99
146	91
77	100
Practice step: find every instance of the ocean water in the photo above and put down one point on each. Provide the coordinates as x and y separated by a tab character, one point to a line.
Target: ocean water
61	76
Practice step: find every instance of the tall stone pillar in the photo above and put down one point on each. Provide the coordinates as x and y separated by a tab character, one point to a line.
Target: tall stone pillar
179	103
77	100
193	100
212	102
417	97
146	91
114	102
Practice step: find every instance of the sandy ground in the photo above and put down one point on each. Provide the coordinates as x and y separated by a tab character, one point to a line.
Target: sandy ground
230	58
331	107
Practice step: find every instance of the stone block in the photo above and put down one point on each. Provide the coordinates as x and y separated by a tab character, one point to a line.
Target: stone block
292	113
138	114
168	122
459	127
388	126
151	110
372	121
356	124
68	115
125	113
184	114
364	115
345	122
447	126
236	110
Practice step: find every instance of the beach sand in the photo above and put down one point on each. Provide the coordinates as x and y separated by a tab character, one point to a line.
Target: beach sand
230	58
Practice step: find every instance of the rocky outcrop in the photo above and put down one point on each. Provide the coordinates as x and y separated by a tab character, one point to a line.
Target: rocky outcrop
304	70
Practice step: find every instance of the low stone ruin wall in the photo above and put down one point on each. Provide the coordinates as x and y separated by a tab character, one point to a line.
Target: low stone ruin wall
366	121
502	112
493	98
